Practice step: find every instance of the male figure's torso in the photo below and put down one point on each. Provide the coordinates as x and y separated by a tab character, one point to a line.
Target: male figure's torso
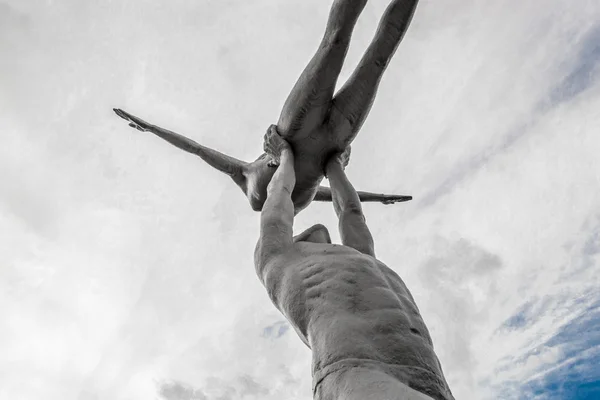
351	309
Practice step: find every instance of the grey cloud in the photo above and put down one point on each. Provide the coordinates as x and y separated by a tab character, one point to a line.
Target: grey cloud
242	386
14	32
14	27
11	18
460	259
180	391
466	168
86	395
450	275
591	247
249	386
588	250
581	76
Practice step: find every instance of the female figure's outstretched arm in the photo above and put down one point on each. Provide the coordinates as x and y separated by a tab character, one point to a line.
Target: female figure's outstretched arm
222	162
324	194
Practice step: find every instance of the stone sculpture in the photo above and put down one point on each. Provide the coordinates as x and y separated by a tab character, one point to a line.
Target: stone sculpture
316	121
357	316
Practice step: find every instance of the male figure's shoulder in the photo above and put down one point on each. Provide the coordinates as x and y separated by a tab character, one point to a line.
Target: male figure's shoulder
269	258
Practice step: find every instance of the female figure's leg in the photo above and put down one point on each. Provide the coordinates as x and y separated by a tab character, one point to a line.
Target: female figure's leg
352	103
310	100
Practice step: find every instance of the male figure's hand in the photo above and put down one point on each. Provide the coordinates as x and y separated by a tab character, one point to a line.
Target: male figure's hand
275	145
134	121
342	159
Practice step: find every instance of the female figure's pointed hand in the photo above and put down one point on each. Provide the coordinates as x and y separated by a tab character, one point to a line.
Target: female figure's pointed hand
134	121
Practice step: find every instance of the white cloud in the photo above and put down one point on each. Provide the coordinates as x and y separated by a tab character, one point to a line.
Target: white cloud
127	266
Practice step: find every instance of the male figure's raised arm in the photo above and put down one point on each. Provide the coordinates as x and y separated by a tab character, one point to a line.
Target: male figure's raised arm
354	231
277	216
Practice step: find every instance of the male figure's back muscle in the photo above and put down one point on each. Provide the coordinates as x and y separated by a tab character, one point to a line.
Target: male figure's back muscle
346	305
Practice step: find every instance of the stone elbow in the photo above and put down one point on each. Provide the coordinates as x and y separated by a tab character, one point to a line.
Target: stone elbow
353	208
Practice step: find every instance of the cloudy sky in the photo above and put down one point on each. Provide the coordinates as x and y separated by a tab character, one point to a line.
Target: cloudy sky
126	265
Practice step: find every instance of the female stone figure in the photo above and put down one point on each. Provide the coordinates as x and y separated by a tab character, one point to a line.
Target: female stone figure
316	121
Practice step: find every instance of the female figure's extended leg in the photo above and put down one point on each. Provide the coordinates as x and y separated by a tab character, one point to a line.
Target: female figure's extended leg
310	100
352	103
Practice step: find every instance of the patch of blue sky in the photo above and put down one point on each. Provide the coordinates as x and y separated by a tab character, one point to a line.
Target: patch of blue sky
276	330
582	73
576	375
519	319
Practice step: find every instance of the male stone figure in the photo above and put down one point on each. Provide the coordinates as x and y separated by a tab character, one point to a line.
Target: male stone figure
367	337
